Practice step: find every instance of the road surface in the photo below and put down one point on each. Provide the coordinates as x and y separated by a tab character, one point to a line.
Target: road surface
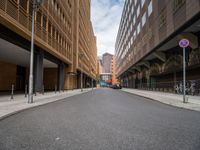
104	119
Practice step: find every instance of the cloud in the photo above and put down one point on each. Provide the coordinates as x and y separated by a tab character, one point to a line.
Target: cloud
106	15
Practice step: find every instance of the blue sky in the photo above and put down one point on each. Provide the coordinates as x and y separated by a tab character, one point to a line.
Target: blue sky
105	16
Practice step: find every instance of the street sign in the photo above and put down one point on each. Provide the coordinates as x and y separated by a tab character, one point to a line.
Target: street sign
184	43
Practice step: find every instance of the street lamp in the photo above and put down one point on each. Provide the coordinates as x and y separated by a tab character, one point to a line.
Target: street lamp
81	55
36	5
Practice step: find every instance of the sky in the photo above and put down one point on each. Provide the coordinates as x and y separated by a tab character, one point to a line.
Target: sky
105	16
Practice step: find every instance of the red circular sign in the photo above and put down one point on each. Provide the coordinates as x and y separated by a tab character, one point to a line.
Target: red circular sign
184	43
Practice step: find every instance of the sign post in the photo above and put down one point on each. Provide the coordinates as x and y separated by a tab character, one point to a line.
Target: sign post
183	44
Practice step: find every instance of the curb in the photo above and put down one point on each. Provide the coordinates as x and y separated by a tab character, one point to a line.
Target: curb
169	104
24	109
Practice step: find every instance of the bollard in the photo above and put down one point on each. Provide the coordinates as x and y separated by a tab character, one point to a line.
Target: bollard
12	92
26	90
43	89
35	93
55	88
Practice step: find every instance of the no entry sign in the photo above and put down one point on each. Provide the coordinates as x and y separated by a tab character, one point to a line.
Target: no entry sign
184	43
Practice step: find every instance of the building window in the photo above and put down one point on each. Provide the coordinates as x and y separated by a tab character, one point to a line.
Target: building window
143	1
132	10
136	2
138	28
150	8
49	28
138	11
177	4
131	28
131	40
44	22
23	4
143	19
134	35
133	20
38	17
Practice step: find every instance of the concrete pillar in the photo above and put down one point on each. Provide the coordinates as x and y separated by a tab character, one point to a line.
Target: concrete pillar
78	80
38	71
84	80
61	76
132	82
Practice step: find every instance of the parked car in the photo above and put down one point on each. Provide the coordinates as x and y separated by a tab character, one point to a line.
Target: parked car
116	86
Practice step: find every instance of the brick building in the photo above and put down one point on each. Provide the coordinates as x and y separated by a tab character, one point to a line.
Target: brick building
147	51
65	44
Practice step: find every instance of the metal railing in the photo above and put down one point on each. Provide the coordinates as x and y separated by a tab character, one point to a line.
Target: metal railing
192	86
20	17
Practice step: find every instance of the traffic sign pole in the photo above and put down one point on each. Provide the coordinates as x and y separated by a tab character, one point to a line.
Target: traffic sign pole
184	75
183	44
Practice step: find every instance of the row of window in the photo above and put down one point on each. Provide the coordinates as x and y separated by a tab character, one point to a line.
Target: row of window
132	29
124	43
129	6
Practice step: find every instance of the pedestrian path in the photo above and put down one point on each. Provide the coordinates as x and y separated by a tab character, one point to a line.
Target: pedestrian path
10	106
168	98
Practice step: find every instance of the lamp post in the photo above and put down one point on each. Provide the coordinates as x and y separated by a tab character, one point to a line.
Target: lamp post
81	55
36	5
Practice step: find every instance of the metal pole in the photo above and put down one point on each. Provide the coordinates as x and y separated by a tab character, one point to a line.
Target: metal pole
184	74
12	91
26	90
55	88
30	94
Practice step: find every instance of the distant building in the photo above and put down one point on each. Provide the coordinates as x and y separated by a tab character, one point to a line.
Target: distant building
106	68
107	60
105	79
113	68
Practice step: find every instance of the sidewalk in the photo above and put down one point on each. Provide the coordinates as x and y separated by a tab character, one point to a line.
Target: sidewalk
168	98
19	103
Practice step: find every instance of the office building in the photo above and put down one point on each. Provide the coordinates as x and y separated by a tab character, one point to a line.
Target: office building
147	48
65	44
107	61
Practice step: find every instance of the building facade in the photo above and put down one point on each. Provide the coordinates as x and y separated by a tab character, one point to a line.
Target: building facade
147	52
105	79
65	44
107	61
113	68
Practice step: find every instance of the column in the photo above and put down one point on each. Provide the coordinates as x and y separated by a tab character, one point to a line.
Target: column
61	76
38	71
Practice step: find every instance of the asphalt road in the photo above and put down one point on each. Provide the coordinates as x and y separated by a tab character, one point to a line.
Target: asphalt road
104	119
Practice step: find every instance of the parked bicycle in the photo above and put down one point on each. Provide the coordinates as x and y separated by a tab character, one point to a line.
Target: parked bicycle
190	87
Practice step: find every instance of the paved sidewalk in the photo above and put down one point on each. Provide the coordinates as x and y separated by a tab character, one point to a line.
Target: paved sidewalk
168	98
19	103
